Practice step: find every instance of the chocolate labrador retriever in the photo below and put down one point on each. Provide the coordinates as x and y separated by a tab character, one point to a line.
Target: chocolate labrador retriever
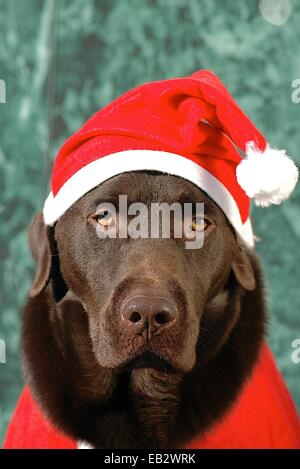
140	343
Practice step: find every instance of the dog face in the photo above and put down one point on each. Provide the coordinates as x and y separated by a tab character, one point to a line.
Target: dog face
148	301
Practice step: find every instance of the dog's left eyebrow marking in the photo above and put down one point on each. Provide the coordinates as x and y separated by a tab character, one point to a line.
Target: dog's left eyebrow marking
186	197
192	198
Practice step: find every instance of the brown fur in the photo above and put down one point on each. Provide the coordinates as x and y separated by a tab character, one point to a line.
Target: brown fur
78	360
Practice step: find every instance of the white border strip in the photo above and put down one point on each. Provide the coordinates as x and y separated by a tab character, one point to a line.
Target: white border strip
104	168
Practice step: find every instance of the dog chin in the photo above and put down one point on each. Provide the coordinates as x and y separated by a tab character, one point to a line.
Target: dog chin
149	359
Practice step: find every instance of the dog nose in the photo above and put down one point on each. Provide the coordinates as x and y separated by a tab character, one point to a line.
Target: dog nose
148	308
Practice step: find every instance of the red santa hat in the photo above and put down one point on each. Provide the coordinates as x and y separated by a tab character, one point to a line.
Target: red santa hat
189	127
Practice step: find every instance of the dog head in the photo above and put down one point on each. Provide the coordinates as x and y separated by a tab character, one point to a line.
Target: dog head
149	302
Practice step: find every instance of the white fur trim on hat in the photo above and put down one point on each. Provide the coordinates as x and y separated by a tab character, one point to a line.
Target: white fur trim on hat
106	167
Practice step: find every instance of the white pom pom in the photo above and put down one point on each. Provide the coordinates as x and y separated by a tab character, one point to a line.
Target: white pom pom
268	177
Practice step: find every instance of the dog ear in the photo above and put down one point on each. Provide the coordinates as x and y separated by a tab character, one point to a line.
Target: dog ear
44	249
40	248
243	270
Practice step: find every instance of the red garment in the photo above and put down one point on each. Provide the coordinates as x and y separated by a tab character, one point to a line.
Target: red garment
264	416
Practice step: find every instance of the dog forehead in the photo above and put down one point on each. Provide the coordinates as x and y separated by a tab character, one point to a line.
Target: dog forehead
148	186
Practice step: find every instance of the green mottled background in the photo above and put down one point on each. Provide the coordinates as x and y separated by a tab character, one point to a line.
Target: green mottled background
62	60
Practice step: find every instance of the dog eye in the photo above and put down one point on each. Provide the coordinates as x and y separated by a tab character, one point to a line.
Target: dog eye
105	218
200	224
